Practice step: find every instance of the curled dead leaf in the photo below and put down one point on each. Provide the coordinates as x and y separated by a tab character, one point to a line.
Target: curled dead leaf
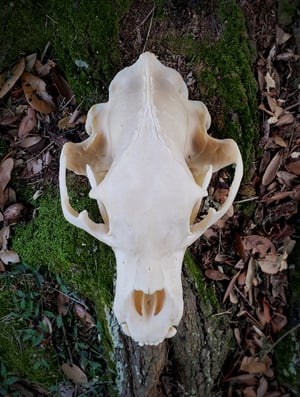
270	264
30	61
47	323
84	315
293	167
278	322
14	213
44	70
272	169
74	373
253	365
285	119
65	123
281	36
262	387
36	93
33	167
260	245
28	142
11	77
27	123
279	141
215	275
63	87
6	167
62	302
249	392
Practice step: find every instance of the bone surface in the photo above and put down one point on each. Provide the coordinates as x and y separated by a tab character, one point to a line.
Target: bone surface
149	161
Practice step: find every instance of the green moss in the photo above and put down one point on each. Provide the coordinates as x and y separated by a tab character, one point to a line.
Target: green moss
225	78
16	353
83	35
84	264
49	240
287	355
208	295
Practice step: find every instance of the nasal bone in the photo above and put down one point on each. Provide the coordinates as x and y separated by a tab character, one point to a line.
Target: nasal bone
148	305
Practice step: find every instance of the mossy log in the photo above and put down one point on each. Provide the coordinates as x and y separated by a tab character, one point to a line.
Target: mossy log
211	42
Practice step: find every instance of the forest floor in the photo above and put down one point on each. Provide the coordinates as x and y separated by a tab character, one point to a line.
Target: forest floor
253	275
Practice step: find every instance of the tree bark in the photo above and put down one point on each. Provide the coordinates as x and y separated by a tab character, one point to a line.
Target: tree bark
186	365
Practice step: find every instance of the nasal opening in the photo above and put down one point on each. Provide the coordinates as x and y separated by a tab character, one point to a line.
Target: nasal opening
148	305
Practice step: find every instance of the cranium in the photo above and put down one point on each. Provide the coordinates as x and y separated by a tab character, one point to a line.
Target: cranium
149	161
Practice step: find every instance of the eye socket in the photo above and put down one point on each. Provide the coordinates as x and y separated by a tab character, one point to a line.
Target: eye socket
194	212
104	213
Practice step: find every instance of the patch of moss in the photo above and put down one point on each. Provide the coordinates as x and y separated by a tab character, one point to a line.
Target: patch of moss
224	73
287	355
16	353
83	37
83	263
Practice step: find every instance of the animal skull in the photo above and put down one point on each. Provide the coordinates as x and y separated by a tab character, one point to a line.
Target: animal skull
149	161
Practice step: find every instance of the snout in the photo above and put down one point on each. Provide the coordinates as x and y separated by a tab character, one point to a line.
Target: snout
149	318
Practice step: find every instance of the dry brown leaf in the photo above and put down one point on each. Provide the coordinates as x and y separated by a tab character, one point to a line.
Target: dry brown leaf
293	167
47	323
36	93
11	77
215	275
272	169
9	118
30	61
262	387
270	82
33	167
27	123
230	286
270	264
65	124
279	141
249	392
2	267
278	322
62	302
74	373
287	56
44	70
286	178
259	244
273	105
285	119
28	142
4	236
248	379
250	275
6	167
63	87
253	365
281	36
14	213
80	312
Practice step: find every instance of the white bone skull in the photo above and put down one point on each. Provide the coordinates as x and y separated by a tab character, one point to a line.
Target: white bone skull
149	161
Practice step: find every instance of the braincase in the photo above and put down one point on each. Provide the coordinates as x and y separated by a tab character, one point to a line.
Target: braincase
148	91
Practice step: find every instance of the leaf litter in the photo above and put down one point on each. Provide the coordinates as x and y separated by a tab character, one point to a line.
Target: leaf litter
251	273
255	249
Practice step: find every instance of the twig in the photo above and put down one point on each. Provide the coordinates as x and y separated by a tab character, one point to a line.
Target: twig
246	200
150	26
269	350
